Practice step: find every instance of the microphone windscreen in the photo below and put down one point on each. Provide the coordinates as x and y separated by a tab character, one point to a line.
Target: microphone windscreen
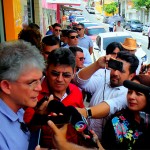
80	124
137	87
57	107
77	120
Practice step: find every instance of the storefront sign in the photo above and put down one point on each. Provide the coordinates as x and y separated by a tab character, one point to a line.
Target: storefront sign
76	2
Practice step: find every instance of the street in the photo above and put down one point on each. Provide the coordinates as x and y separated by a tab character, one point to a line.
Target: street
137	35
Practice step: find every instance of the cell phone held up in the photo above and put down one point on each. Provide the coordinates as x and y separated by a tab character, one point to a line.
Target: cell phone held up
45	98
115	64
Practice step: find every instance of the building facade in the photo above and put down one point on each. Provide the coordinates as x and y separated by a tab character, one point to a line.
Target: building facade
13	13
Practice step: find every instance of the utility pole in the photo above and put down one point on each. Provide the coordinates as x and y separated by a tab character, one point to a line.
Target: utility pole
119	7
103	2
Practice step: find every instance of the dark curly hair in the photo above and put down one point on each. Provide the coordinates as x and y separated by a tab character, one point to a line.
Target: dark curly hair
31	35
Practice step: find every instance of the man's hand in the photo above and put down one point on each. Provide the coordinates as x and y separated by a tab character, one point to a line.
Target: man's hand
43	108
59	134
39	148
103	61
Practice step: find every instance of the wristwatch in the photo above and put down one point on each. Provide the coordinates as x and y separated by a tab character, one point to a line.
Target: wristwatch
89	112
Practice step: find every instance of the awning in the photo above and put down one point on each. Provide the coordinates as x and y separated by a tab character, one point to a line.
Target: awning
71	8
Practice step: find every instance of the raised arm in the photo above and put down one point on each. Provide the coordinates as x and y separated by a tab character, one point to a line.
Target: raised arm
87	72
98	111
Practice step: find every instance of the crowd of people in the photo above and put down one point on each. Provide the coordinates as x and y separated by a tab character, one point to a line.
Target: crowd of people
36	70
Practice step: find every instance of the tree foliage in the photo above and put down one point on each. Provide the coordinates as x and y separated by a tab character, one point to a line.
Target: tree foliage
141	3
111	8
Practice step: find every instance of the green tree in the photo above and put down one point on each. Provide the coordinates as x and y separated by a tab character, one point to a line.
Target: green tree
111	8
142	3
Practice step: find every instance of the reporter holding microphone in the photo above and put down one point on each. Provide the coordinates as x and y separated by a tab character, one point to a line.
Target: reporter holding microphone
126	129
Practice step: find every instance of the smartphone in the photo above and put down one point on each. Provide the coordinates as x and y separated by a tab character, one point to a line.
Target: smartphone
115	64
39	103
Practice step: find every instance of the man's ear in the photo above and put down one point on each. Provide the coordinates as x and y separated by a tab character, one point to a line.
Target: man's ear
5	86
131	75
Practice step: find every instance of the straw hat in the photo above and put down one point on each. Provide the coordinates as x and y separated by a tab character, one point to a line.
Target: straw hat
129	44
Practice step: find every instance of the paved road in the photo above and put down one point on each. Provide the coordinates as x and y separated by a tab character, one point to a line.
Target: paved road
137	35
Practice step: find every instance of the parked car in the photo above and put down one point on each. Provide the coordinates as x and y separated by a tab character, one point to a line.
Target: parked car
99	16
87	7
104	39
88	24
91	10
93	31
78	19
105	19
145	29
134	25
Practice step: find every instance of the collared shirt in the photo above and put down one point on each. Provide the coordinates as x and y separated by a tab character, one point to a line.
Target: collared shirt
47	92
87	56
11	135
115	97
85	42
111	24
49	32
140	64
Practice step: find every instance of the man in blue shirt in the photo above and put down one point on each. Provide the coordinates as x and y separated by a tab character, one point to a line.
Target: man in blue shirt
72	40
84	40
50	30
21	70
71	18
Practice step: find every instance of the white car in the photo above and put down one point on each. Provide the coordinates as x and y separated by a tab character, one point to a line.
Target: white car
103	39
91	10
79	19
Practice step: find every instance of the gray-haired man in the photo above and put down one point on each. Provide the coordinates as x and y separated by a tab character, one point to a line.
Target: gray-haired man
21	67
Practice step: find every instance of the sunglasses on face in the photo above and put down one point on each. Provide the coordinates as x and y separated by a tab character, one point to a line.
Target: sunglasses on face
73	37
64	74
81	58
79	29
57	30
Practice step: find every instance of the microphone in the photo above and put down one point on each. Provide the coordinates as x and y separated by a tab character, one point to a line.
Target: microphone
137	87
80	124
57	107
77	120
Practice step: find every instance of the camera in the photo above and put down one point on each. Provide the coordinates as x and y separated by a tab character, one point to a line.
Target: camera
115	64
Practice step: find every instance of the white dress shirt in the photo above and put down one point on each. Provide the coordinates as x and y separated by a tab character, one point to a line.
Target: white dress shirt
115	97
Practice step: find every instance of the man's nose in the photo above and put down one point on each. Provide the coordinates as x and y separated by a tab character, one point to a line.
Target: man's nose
38	87
116	72
60	77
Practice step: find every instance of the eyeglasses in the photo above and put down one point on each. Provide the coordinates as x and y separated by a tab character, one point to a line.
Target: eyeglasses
57	30
64	74
81	58
33	84
79	29
73	37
